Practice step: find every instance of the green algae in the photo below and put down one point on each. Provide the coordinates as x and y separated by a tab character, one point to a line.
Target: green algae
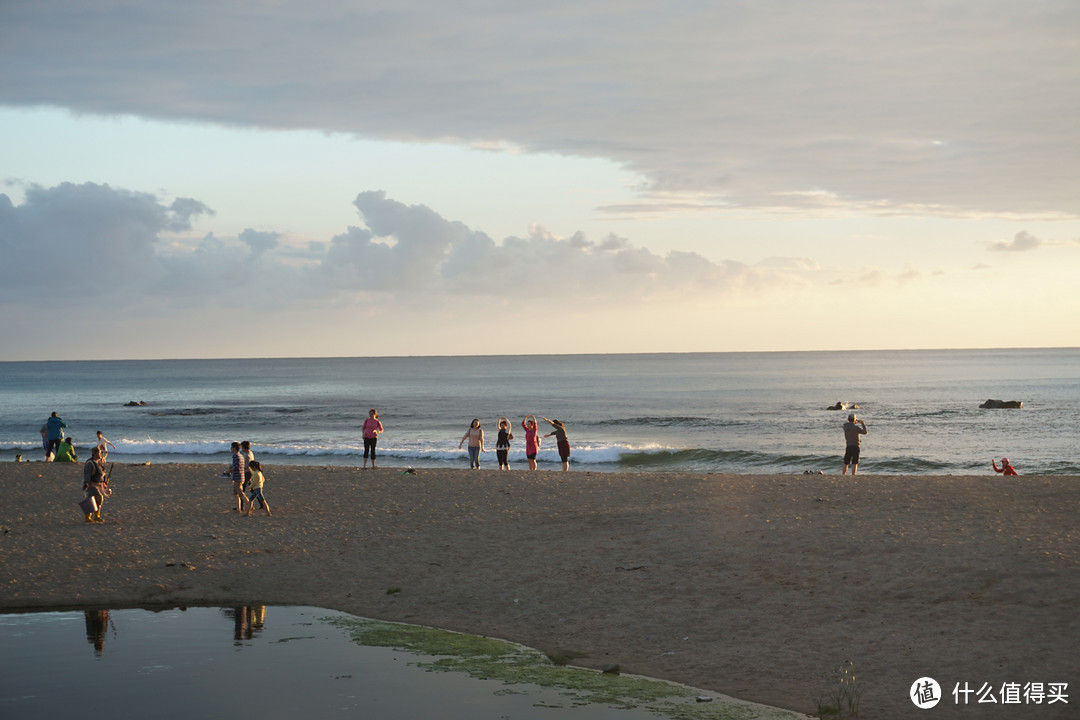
486	658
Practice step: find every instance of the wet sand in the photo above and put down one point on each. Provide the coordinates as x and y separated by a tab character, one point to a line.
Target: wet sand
754	586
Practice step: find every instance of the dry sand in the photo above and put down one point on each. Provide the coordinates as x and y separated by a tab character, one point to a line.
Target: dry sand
750	585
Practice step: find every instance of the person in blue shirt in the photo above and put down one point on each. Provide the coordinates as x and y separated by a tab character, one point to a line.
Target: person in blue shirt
54	429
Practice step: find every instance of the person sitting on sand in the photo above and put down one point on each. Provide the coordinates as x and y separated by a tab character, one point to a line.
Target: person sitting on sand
561	441
1006	468
66	452
255	492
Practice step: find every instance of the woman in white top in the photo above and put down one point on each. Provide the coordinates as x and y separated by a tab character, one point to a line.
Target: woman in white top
475	436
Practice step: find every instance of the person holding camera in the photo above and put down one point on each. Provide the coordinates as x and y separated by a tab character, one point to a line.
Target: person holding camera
854	429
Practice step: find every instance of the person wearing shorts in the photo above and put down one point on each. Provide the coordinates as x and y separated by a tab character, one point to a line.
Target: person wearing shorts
854	429
256	488
372	427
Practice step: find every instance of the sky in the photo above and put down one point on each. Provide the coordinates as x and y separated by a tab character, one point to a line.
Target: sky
265	178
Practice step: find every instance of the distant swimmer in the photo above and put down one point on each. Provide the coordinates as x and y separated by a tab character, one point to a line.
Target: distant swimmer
1006	467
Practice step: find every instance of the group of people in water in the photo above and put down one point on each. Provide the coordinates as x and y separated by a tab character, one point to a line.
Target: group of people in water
475	437
248	479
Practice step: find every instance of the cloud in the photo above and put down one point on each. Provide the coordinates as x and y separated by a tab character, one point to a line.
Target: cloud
1021	242
413	249
259	242
920	108
83	241
78	244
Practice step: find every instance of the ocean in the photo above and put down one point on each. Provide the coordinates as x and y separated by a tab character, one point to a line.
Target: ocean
699	412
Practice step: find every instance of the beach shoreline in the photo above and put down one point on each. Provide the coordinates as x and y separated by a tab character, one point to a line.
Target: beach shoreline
755	586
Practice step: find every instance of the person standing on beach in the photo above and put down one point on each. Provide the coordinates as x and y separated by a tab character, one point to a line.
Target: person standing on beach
372	428
561	441
237	473
502	445
94	482
532	439
256	493
854	429
103	445
249	459
54	428
475	436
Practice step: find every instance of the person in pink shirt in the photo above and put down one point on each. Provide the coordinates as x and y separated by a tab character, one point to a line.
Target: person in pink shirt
372	428
532	439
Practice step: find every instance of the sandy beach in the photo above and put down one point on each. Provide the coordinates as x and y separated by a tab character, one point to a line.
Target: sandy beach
754	586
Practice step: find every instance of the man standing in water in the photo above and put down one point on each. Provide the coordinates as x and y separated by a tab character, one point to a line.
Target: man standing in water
853	428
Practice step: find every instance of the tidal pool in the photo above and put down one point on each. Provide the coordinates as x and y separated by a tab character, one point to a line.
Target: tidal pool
309	663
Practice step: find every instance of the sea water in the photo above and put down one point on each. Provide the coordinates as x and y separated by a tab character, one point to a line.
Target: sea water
701	412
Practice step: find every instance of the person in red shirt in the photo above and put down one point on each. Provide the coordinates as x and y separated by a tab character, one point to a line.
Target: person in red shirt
1006	468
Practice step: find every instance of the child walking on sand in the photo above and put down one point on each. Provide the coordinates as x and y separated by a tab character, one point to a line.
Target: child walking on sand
502	444
257	480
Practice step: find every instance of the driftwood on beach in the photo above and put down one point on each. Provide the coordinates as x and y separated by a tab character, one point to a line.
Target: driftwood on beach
756	586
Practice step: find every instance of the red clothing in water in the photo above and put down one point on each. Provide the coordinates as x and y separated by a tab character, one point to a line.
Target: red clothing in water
1006	468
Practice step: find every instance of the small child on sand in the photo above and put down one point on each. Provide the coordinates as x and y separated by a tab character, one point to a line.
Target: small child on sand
103	445
257	480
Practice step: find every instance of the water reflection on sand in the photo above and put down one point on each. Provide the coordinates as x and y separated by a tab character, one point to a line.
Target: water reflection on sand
248	661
